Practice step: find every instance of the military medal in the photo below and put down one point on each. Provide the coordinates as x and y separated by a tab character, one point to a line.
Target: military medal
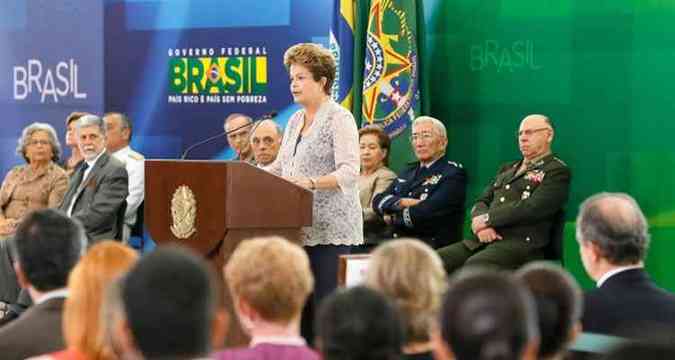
526	194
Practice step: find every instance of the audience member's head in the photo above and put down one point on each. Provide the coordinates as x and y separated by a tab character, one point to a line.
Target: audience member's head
170	304
91	136
238	134
559	305
487	315
265	141
429	138
374	146
269	279
46	247
411	275
358	323
39	143
116	342
119	130
612	231
100	266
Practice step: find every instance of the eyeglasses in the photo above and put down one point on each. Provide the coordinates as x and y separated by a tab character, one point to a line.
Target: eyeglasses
530	132
41	142
421	136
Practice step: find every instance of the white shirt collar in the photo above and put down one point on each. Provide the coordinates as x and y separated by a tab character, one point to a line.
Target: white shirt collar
615	271
121	151
58	293
278	340
93	162
432	162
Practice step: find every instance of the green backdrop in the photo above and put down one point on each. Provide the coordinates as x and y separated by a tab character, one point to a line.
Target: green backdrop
601	69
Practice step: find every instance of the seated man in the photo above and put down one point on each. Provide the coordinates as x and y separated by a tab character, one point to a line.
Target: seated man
613	237
119	130
170	307
99	187
426	201
238	136
265	142
512	220
46	247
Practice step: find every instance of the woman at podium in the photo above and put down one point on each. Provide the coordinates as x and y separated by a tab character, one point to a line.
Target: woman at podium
320	152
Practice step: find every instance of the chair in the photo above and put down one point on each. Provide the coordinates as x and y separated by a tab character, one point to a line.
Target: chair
554	249
119	232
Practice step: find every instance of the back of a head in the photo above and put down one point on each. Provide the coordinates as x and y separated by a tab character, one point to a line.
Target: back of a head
100	266
616	225
410	274
558	300
272	275
169	300
358	324
487	315
47	246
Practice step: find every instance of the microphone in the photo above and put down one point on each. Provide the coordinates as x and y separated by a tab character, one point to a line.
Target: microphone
267	116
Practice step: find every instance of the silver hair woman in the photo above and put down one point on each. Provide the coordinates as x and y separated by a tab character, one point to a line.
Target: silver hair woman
40	183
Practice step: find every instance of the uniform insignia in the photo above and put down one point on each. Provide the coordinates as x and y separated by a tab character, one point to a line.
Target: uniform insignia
432	180
400	180
535	176
455	164
136	157
424	196
526	194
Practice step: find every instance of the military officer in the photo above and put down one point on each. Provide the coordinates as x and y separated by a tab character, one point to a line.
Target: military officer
426	201
512	219
119	132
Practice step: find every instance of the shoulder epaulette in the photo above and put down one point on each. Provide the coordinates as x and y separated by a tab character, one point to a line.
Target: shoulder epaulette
455	164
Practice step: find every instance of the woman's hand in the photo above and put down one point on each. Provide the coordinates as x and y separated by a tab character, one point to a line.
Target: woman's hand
302	181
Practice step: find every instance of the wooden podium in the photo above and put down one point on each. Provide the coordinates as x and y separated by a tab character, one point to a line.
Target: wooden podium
211	206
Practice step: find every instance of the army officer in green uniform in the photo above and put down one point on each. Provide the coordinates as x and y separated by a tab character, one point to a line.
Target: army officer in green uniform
512	219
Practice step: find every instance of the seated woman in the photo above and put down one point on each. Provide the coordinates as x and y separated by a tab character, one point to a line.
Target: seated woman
40	183
375	178
84	332
269	280
410	274
71	163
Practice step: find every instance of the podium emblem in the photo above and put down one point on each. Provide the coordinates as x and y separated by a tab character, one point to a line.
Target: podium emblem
183	212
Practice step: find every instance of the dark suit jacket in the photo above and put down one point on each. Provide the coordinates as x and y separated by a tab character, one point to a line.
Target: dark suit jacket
438	218
628	304
100	198
523	207
36	332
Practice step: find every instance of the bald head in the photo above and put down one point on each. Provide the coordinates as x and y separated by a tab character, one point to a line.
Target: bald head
265	142
535	136
614	223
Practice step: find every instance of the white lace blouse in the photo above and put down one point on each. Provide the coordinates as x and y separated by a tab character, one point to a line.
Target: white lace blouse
331	147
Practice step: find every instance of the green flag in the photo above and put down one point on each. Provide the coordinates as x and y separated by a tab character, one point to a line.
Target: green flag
391	92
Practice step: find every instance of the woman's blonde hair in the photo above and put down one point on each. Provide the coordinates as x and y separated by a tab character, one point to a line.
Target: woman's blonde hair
411	274
317	59
272	275
87	285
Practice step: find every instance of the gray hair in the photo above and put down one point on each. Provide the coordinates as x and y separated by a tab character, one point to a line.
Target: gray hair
90	120
237	115
278	128
616	225
28	132
440	128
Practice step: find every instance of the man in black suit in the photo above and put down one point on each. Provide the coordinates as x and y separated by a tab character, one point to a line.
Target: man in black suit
99	187
47	245
613	238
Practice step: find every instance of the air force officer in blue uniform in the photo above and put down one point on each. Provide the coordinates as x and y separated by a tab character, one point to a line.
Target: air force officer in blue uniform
426	201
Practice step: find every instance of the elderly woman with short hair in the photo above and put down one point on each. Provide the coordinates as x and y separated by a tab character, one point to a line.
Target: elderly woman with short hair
40	183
